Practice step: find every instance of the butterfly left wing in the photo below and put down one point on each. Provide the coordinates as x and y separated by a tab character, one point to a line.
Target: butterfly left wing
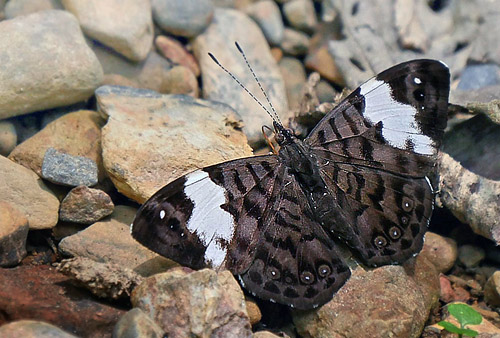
210	217
375	151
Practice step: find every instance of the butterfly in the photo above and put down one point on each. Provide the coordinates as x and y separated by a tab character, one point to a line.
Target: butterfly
360	179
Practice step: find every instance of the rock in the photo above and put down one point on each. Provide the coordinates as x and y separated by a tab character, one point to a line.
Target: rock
172	16
104	280
41	73
130	33
119	80
219	39
41	293
253	311
439	250
318	57
85	205
268	16
480	101
266	334
479	76
16	8
148	74
294	43
200	303
470	256
486	42
492	290
300	14
472	198
174	51
23	189
13	233
151	139
8	137
387	301
77	134
136	323
180	80
294	75
61	168
32	329
109	241
325	92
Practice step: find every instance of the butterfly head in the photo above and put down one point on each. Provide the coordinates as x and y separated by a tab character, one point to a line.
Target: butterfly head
283	136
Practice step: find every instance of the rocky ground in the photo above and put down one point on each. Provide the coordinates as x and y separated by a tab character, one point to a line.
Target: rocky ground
79	155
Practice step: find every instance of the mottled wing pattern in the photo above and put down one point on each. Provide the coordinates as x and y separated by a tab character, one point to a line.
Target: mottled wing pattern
295	262
210	217
375	150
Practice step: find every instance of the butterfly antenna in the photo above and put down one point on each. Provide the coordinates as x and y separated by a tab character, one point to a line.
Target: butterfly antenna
258	82
242	86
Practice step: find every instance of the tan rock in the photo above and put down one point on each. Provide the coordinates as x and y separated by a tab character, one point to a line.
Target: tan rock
22	188
492	289
441	251
24	7
77	134
228	26
32	329
85	205
8	137
180	80
136	323
174	51
119	80
110	241
50	65
151	139
13	233
200	304
253	311
130	33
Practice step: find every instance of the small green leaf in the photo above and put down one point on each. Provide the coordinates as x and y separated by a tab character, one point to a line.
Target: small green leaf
449	327
465	314
454	329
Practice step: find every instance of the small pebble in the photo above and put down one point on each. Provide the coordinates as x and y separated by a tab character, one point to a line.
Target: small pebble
295	43
64	169
180	80
13	233
8	137
301	14
174	51
479	76
85	205
492	290
268	16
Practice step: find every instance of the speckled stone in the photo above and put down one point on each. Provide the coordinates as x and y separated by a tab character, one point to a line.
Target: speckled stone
65	169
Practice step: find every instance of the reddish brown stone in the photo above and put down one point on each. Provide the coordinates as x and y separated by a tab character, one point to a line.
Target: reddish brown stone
174	51
42	293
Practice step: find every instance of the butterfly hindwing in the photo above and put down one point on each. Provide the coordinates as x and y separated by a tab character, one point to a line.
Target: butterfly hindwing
296	262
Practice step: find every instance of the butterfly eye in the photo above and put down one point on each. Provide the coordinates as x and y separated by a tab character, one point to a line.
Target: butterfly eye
404	220
273	273
407	204
324	270
419	95
394	232
306	277
380	242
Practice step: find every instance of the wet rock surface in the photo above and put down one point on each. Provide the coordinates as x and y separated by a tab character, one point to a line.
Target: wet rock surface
69	264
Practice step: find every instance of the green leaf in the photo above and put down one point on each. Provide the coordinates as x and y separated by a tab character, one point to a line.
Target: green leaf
454	329
465	314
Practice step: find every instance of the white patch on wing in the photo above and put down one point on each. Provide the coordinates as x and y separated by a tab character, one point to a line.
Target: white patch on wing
162	214
399	126
209	221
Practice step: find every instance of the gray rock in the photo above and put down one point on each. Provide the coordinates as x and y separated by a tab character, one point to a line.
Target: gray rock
301	15
294	43
130	33
16	8
268	16
229	26
25	190
109	241
186	18
151	139
85	205
136	323
13	233
194	304
65	169
49	65
470	255
8	137
479	76
325	92
32	329
440	251
492	289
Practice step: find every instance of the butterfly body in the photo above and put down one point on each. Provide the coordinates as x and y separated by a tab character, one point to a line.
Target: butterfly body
360	178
